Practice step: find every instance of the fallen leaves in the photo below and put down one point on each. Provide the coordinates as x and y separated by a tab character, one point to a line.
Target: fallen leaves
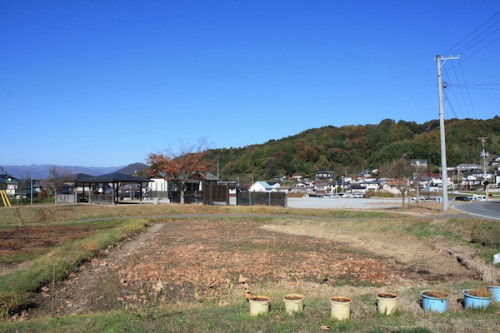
203	261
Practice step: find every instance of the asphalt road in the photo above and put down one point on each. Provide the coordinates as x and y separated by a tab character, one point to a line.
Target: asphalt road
487	209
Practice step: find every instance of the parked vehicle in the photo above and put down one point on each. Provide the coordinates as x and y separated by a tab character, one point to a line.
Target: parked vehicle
358	195
463	198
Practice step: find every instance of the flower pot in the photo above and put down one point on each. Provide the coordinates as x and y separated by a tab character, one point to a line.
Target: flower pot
293	303
340	307
434	300
495	292
258	305
386	303
476	298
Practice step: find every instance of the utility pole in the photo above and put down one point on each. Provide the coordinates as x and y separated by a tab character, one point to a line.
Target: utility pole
484	155
444	170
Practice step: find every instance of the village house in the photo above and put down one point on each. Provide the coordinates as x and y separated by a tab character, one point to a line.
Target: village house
262	186
9	184
324	174
419	164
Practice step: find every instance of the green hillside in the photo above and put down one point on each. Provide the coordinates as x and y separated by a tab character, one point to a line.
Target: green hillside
354	148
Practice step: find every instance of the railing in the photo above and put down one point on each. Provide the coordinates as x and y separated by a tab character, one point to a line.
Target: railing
106	199
65	198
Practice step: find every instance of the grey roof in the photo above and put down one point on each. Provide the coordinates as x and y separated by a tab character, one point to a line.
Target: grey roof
114	177
211	176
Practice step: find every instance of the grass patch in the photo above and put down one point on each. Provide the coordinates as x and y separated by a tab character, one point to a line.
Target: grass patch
23	215
22	257
235	318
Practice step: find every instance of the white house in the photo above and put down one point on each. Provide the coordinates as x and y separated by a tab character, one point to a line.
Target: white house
324	174
158	185
371	186
496	162
419	163
262	186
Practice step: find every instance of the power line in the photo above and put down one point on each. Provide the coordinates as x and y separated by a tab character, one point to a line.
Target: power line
471	33
465	49
450	105
466	87
476	87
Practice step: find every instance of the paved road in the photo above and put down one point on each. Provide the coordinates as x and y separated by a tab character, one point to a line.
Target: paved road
488	209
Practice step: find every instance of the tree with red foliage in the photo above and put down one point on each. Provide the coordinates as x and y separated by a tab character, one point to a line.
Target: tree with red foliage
179	166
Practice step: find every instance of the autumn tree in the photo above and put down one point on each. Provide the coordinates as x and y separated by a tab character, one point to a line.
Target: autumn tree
400	172
179	166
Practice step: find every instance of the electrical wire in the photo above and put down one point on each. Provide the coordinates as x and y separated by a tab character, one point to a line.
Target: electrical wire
473	32
476	86
473	43
450	104
467	88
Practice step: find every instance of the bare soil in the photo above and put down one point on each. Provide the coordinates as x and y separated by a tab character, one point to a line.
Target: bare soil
207	260
35	240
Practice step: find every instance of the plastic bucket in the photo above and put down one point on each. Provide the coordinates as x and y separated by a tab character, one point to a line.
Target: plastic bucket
495	293
340	307
386	303
474	302
258	305
293	303
434	300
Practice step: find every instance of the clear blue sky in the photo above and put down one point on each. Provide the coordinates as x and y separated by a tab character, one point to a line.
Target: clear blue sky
106	82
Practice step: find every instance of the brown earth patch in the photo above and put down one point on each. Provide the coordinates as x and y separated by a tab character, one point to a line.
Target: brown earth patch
205	260
13	240
34	240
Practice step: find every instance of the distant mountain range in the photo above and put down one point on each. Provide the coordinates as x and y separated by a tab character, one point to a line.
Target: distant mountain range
344	150
42	171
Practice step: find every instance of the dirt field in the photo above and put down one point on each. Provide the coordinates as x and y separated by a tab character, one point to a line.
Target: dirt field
25	241
199	260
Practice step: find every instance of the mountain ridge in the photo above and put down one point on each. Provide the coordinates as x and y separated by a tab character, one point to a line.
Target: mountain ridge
41	171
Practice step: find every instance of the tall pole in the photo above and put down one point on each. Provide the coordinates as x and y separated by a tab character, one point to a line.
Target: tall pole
484	154
444	171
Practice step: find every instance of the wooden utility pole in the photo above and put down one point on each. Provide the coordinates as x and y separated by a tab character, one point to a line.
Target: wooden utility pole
444	171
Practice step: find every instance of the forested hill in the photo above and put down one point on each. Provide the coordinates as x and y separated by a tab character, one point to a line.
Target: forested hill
354	148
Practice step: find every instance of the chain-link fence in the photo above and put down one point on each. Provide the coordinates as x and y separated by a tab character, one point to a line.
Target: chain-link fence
247	198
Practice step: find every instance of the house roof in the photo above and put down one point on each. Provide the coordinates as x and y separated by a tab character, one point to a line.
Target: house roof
211	176
114	177
263	184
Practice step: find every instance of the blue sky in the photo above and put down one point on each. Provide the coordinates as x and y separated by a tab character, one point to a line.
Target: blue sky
106	82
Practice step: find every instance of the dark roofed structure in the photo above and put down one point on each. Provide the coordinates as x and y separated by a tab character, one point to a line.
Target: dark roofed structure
115	179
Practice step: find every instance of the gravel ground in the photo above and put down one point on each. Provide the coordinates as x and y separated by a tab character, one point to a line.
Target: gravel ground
330	203
349	203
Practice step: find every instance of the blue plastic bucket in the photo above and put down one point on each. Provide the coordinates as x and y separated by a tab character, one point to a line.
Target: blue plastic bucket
434	300
495	293
474	302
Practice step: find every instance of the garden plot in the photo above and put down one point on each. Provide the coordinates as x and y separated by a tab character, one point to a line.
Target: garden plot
203	260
